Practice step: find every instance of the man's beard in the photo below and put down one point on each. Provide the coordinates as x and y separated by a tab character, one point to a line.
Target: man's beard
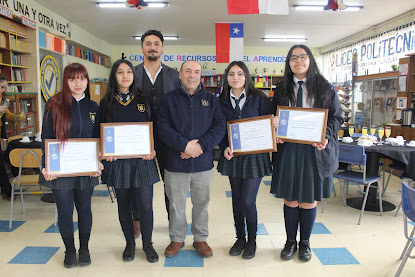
153	58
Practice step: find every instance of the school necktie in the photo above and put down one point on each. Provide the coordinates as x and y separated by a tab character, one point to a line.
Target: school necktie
237	108
300	94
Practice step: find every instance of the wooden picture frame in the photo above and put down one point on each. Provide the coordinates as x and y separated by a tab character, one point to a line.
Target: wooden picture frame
127	140
252	135
302	125
60	154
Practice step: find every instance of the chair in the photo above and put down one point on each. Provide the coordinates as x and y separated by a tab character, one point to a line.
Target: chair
355	155
24	158
393	166
406	177
14	138
408	206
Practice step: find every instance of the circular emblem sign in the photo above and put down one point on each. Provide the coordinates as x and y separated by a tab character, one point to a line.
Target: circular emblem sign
49	77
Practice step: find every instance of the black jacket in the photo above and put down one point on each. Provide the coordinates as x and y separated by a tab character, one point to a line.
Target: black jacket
327	159
182	118
254	106
85	122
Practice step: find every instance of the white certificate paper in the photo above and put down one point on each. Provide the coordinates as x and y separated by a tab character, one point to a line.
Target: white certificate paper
127	140
72	158
254	136
302	125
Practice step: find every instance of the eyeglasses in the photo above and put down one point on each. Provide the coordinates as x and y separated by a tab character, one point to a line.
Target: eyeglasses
3	87
301	57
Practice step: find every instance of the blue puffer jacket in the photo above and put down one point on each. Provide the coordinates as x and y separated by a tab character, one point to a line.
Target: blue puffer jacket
182	118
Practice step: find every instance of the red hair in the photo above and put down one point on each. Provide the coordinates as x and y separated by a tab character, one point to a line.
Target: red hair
61	103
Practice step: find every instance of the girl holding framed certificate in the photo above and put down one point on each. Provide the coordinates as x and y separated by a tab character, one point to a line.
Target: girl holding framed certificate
125	102
71	114
303	172
239	99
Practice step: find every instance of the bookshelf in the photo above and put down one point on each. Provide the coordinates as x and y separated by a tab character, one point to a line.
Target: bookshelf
18	64
77	50
267	83
213	83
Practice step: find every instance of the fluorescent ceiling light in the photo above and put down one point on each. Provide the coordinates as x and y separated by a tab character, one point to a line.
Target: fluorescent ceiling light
122	5
284	39
308	8
111	5
321	8
157	5
165	37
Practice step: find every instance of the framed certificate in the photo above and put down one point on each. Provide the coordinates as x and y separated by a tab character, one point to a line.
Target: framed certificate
302	125
252	135
127	140
74	157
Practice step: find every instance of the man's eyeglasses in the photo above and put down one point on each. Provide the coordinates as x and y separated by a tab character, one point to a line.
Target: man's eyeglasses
301	57
3	87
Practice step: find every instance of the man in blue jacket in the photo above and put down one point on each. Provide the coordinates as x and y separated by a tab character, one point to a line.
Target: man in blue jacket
191	123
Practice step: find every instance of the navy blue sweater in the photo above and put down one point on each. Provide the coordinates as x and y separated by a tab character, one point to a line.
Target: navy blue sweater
254	106
85	122
182	118
133	111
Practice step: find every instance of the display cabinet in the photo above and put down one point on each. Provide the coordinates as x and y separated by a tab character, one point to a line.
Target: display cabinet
23	104
18	63
374	99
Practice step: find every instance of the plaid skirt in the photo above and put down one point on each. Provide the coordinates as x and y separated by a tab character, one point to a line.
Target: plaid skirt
295	176
130	173
245	166
69	183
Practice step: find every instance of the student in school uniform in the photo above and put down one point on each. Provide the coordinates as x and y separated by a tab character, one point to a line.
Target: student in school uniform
131	178
303	173
71	114
239	99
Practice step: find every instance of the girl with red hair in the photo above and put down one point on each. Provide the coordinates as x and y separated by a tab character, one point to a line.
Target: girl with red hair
71	114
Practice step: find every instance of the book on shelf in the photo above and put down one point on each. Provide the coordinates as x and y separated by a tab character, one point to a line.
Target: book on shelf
18	59
18	75
14	88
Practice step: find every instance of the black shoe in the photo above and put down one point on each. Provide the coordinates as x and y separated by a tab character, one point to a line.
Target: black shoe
70	258
304	254
288	252
151	254
129	252
250	249
237	248
84	258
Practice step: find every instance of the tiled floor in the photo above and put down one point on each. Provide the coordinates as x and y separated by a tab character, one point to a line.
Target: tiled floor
340	247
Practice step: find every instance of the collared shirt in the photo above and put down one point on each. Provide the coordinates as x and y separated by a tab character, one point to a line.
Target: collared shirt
155	77
306	103
241	103
185	90
120	94
82	97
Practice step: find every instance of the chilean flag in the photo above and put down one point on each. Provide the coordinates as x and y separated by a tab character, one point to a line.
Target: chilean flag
229	42
258	7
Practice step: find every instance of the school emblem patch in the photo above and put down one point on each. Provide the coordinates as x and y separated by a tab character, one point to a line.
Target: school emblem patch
93	116
205	103
141	108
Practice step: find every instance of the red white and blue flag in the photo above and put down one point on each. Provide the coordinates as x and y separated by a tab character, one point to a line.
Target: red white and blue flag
258	7
229	42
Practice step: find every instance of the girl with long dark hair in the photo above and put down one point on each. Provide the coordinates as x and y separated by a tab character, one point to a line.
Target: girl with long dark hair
125	102
303	173
71	114
240	99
